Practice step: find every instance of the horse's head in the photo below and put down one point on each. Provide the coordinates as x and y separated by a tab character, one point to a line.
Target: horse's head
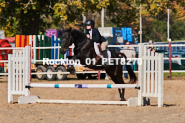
67	40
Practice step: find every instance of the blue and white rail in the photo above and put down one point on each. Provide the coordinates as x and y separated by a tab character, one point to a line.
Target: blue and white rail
38	85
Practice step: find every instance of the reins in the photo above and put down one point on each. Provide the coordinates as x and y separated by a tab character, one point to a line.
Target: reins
81	44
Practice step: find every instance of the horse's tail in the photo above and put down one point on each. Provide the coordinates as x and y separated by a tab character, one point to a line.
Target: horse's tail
131	73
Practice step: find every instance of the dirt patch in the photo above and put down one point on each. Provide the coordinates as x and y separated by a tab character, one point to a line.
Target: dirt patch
173	110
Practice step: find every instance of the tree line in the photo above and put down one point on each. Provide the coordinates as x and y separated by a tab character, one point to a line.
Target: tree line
30	17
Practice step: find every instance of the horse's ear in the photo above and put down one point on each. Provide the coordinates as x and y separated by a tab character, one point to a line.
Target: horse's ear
70	29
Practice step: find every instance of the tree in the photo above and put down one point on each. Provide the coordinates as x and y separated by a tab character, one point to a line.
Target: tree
31	16
154	19
71	11
26	16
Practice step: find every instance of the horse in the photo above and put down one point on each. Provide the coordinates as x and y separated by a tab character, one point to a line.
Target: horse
84	48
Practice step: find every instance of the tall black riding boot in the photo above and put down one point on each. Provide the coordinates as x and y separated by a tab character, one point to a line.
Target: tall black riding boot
105	56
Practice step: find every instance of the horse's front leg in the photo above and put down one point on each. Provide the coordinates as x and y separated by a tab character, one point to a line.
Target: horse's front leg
74	57
80	58
70	67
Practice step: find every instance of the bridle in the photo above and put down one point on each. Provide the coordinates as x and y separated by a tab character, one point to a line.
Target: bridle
68	42
79	46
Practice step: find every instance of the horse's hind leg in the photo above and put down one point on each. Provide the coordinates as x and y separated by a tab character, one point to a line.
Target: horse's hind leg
117	80
118	74
122	94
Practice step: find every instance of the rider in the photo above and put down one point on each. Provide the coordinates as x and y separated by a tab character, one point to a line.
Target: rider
95	36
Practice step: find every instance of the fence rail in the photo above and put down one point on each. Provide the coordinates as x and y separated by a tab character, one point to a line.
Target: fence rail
165	71
58	47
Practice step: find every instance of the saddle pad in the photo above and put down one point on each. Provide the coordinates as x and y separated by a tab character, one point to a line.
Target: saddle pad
109	54
97	50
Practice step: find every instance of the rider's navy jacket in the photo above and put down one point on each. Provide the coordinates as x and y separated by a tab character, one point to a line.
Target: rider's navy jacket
96	37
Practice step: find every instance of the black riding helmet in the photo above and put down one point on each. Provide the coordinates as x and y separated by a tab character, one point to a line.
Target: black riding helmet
90	22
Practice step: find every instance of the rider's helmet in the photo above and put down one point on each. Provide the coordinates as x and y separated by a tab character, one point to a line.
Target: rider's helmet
90	22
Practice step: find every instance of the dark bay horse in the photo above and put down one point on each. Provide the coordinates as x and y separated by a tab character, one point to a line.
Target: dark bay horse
84	48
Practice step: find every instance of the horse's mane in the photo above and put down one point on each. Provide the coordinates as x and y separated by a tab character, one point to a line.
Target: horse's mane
78	33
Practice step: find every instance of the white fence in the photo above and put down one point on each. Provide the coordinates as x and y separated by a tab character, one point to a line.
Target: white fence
135	46
150	79
18	72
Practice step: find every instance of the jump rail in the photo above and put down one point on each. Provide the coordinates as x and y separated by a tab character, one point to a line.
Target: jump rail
150	80
36	85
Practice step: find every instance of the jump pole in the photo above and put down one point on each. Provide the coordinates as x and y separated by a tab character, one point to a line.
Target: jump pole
35	99
83	102
38	85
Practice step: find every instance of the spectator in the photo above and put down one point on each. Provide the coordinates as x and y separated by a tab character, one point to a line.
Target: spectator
130	53
151	48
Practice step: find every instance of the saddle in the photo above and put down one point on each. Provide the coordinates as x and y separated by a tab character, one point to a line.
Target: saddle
98	52
99	47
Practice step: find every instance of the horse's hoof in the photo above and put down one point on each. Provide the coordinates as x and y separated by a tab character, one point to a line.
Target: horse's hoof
123	99
73	72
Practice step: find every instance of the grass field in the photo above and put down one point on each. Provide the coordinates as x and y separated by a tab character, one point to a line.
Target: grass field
174	74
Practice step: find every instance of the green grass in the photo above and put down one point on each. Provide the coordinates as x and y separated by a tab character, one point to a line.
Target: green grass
173	41
180	74
166	75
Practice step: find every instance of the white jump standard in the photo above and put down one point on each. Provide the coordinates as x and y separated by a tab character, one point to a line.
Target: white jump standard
150	81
